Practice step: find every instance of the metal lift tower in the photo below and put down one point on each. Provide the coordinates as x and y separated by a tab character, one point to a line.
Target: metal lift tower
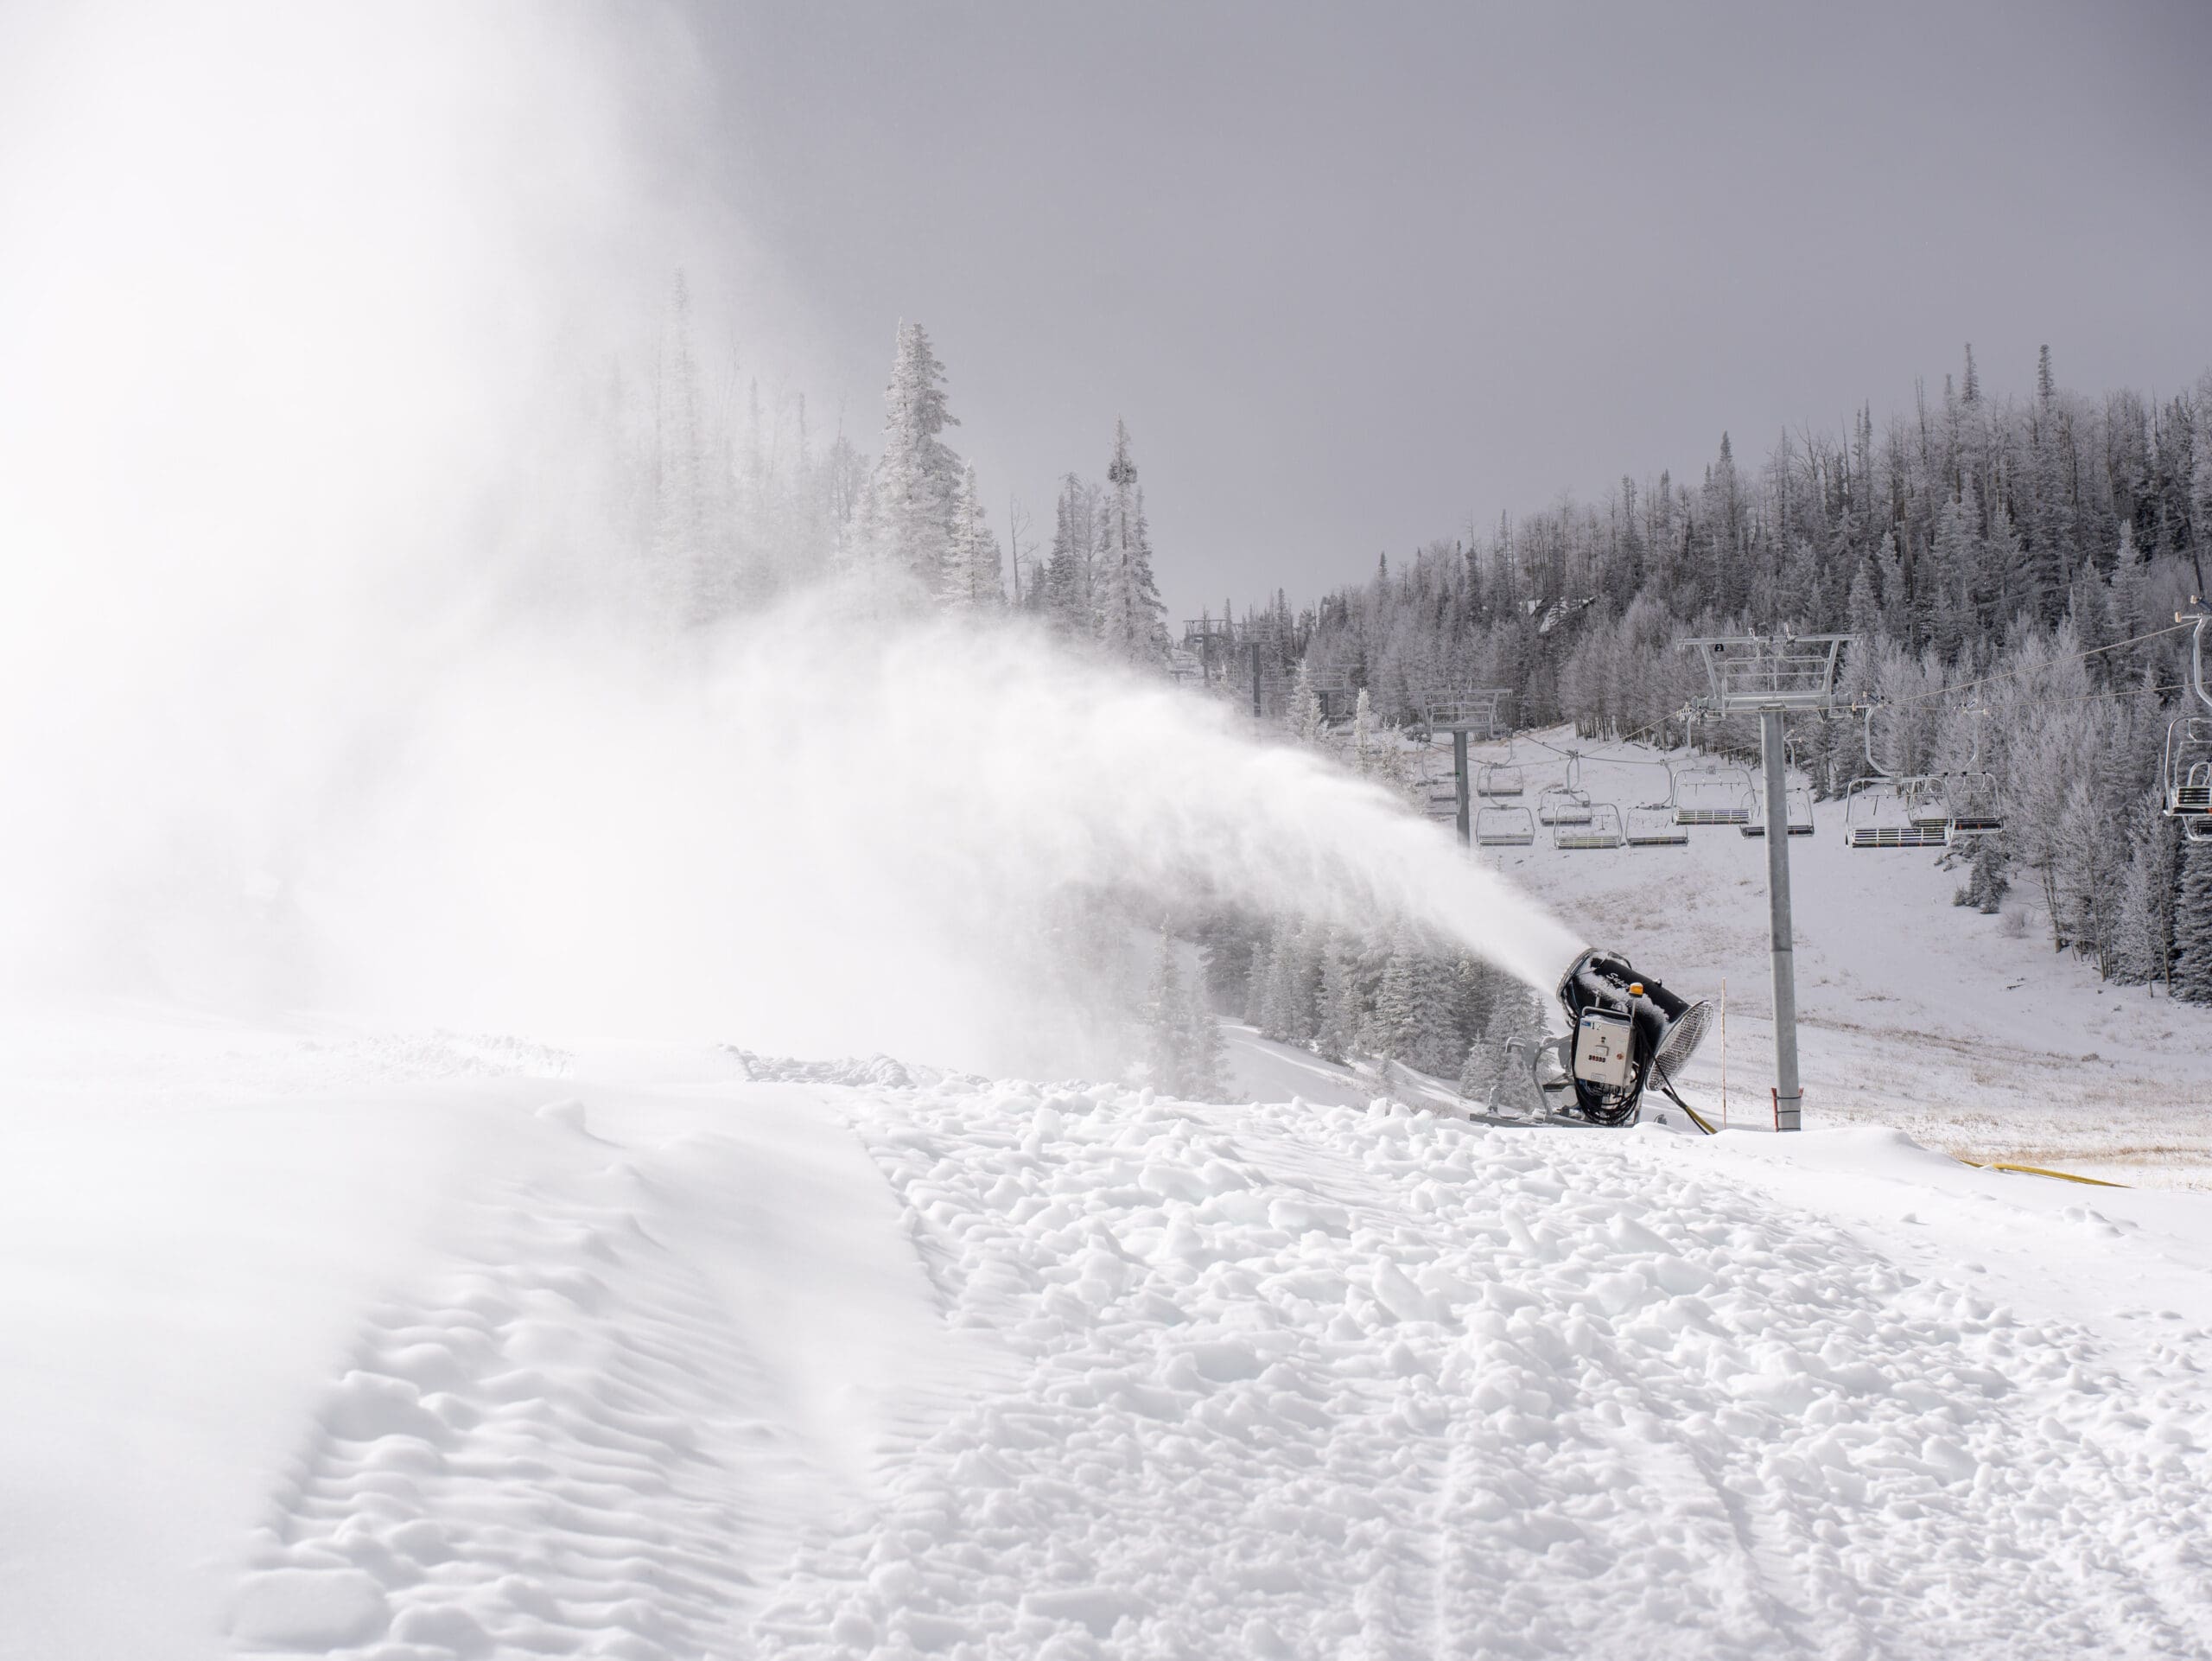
1475	708
1771	677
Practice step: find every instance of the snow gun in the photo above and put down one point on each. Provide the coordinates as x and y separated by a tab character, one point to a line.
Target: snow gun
1626	1033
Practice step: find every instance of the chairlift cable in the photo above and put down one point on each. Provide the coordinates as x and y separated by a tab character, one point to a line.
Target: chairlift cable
2015	674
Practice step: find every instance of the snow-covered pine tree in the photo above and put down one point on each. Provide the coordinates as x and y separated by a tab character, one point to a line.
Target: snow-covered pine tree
1414	1020
1132	620
1390	1023
1434	1045
1307	947
1279	1000
1365	755
1513	1026
1166	1019
1069	599
2145	927
1204	1074
1342	1013
2130	614
1305	709
1478	1071
2192	959
1985	885
1255	981
1224	940
973	570
917	478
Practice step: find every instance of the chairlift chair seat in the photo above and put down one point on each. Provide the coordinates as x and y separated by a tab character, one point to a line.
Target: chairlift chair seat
1505	827
1560	805
1655	827
1599	828
1499	779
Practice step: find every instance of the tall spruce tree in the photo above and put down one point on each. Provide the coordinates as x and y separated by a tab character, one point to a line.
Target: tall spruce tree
974	579
1070	597
1132	620
917	478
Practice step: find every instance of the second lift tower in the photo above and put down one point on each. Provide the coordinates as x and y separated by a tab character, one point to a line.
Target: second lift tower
1770	677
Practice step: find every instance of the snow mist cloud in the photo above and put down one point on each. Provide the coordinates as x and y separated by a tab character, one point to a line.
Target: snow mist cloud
313	692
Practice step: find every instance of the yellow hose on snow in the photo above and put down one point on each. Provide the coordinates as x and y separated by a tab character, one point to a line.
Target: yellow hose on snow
2037	1170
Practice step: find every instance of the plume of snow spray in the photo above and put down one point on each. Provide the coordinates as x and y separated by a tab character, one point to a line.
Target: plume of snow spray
269	730
816	834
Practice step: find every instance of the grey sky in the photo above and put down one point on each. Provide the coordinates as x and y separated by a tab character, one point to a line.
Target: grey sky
1353	274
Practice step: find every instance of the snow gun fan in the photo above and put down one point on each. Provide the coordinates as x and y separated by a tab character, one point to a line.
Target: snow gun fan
1626	1034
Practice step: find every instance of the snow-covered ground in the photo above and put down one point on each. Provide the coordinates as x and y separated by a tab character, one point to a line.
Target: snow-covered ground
329	1341
1912	1013
348	1344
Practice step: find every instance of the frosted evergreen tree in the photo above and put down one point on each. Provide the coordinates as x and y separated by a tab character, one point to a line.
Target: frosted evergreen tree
1365	757
1293	981
1416	1018
1225	950
1985	885
1204	1073
2130	607
1132	620
1513	1029
1166	1019
1341	1012
1279	995
1070	599
2191	979
1478	1071
2146	895
1305	709
973	569
1433	1044
917	478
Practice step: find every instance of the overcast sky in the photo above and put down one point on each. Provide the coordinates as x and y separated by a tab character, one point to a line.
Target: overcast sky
1353	274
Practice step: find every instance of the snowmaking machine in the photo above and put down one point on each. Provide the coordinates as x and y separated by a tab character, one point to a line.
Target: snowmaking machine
1626	1034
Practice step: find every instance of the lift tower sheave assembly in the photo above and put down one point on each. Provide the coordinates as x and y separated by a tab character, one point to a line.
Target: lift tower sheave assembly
1771	677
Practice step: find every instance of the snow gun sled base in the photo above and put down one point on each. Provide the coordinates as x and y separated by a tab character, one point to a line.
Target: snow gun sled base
1626	1034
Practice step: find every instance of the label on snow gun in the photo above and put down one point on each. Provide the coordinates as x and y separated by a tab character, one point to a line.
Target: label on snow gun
1601	1049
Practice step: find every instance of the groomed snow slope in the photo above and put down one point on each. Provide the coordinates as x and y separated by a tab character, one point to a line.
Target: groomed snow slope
410	1349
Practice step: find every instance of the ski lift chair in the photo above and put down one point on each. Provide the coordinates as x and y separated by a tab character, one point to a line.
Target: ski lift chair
1499	779
2186	776
1799	811
1654	826
1970	803
1885	812
1712	795
1505	827
1562	804
2187	769
1599	827
2189	777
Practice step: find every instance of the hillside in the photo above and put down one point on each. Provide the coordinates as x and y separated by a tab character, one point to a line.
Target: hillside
1913	1012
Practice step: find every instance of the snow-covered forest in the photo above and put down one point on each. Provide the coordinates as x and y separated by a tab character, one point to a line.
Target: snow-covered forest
728	501
2013	567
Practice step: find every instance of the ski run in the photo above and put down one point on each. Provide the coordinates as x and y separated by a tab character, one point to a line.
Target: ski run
394	1349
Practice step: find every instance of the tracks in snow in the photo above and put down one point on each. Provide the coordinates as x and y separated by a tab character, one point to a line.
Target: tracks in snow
549	1449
